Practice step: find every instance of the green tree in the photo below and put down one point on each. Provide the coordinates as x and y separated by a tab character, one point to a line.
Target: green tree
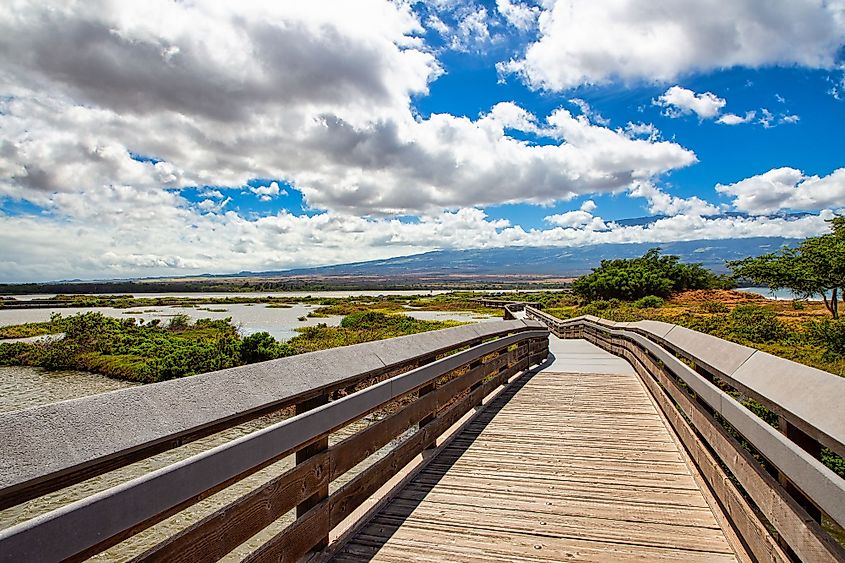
816	267
650	274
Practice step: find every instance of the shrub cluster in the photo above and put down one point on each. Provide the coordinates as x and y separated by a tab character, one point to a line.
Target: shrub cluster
829	333
648	275
144	352
756	324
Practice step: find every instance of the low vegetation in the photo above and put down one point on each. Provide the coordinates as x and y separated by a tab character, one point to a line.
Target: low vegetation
28	330
155	351
363	326
805	334
446	302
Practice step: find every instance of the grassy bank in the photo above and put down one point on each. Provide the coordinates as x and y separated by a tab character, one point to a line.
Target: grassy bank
27	330
149	352
362	326
801	331
446	302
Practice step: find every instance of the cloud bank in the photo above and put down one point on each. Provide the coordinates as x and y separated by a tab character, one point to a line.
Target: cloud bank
586	42
130	129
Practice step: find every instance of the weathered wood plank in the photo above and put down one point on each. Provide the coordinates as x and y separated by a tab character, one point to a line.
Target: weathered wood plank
503	489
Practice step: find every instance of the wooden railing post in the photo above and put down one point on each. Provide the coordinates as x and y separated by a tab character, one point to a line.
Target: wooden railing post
310	451
812	447
475	386
502	373
429	418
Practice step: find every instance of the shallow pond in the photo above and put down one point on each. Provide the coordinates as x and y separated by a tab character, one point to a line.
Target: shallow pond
283	294
281	323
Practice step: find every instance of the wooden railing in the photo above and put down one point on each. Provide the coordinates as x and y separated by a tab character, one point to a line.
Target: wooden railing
510	307
431	379
782	500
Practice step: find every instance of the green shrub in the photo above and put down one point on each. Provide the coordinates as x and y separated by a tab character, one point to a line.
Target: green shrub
599	305
647	302
833	461
260	347
11	353
755	323
179	322
714	307
828	333
650	274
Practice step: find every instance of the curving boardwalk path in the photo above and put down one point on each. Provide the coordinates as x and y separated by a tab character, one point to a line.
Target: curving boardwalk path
571	463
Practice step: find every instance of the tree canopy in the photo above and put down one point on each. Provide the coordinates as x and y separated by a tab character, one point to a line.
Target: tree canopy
816	267
650	274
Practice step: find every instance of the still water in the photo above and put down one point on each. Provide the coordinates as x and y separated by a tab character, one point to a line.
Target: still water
283	294
280	322
780	294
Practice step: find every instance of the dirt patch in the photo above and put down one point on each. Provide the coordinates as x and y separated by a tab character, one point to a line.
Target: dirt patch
727	296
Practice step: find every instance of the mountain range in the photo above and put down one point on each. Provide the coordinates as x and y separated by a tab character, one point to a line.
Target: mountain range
537	261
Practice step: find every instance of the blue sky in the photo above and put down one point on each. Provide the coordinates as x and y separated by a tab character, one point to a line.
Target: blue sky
217	138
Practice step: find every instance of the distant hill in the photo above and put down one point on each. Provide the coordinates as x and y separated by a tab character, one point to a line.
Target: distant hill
444	269
541	261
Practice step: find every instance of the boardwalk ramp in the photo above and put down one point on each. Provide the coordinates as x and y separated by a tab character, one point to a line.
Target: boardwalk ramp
572	462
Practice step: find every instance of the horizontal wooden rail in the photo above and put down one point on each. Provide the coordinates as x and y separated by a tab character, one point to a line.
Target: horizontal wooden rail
40	455
502	304
455	383
711	416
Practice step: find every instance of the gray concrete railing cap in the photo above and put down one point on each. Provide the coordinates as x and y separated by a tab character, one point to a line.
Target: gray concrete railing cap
657	328
813	396
711	351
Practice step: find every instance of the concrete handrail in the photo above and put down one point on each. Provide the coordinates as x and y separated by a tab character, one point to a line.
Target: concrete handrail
52	446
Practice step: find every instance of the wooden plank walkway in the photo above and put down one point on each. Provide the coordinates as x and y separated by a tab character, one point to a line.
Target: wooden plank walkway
561	466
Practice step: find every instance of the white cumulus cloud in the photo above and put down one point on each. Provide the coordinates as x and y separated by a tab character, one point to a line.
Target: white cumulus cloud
661	203
786	189
588	42
518	14
734	119
681	101
266	193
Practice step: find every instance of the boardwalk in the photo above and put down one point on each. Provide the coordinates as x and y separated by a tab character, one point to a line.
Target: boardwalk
571	463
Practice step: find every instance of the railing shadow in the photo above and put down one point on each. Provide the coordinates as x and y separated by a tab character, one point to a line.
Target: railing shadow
382	526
